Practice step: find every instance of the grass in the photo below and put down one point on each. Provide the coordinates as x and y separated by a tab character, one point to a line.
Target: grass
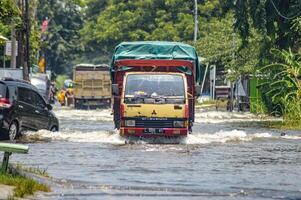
280	125
23	186
34	170
286	126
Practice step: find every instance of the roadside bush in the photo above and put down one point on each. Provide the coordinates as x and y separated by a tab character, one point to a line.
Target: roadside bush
284	85
59	81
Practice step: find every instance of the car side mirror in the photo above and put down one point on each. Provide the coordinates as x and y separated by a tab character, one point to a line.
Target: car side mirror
198	91
115	89
49	107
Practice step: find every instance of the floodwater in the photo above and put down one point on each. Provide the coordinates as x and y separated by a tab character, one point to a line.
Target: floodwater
228	156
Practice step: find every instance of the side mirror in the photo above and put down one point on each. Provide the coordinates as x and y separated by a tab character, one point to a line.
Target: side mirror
115	89
49	107
198	91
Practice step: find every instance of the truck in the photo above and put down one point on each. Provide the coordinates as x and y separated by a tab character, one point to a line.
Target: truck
154	88
92	86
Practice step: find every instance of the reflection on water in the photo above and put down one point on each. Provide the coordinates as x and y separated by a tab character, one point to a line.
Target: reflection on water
220	160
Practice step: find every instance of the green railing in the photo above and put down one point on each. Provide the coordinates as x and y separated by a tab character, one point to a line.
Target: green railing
8	149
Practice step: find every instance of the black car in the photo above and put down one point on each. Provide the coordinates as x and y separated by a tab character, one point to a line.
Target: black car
23	108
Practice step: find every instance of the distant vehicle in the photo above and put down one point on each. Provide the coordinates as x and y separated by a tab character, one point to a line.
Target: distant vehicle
41	82
23	108
154	87
92	86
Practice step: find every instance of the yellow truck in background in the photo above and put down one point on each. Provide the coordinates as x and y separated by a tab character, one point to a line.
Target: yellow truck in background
92	86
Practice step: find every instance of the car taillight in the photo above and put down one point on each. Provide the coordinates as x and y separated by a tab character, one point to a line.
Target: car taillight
122	110
4	103
186	114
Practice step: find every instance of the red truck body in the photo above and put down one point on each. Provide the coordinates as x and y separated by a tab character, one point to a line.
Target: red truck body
153	66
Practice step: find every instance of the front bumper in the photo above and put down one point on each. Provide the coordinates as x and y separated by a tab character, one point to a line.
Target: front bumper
144	132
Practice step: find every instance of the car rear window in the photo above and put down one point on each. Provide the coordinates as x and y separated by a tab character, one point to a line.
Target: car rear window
3	90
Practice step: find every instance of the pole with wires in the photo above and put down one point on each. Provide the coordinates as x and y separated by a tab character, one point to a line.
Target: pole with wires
196	23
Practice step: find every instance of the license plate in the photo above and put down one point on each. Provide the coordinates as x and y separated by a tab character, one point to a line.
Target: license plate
91	103
153	130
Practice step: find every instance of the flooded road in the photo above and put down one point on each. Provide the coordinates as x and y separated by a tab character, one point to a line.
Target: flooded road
228	156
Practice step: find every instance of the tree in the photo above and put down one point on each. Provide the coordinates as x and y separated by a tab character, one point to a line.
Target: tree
137	20
272	18
61	41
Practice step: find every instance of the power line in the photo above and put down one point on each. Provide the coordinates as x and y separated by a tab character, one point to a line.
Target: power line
281	15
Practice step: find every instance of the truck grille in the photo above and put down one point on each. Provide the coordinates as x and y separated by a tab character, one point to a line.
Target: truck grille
154	123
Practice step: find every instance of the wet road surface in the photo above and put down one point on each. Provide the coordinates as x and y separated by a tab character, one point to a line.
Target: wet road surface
228	156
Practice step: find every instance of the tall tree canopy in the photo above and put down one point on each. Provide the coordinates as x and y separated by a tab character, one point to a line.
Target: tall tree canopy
273	18
119	20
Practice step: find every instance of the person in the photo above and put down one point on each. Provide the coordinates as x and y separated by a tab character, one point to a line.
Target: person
52	93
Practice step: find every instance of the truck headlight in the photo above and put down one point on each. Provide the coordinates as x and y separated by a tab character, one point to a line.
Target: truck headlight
129	123
178	124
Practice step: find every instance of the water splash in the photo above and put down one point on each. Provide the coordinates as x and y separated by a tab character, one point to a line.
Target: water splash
223	137
112	137
105	137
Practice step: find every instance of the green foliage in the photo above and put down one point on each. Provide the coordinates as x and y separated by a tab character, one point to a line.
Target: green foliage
8	14
273	18
284	84
138	20
8	11
220	44
217	39
59	81
23	186
62	42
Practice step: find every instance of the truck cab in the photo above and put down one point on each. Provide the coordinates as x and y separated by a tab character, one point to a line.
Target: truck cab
154	103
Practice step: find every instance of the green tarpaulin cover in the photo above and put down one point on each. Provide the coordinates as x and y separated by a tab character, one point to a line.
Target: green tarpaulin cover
156	50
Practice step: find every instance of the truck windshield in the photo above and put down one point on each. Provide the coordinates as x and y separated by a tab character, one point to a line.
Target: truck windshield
155	89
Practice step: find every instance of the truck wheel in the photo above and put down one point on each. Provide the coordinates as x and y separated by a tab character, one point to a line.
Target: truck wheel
54	129
76	104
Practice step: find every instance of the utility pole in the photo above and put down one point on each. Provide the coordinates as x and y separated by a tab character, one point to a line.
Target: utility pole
231	83
26	68
13	46
196	23
20	37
